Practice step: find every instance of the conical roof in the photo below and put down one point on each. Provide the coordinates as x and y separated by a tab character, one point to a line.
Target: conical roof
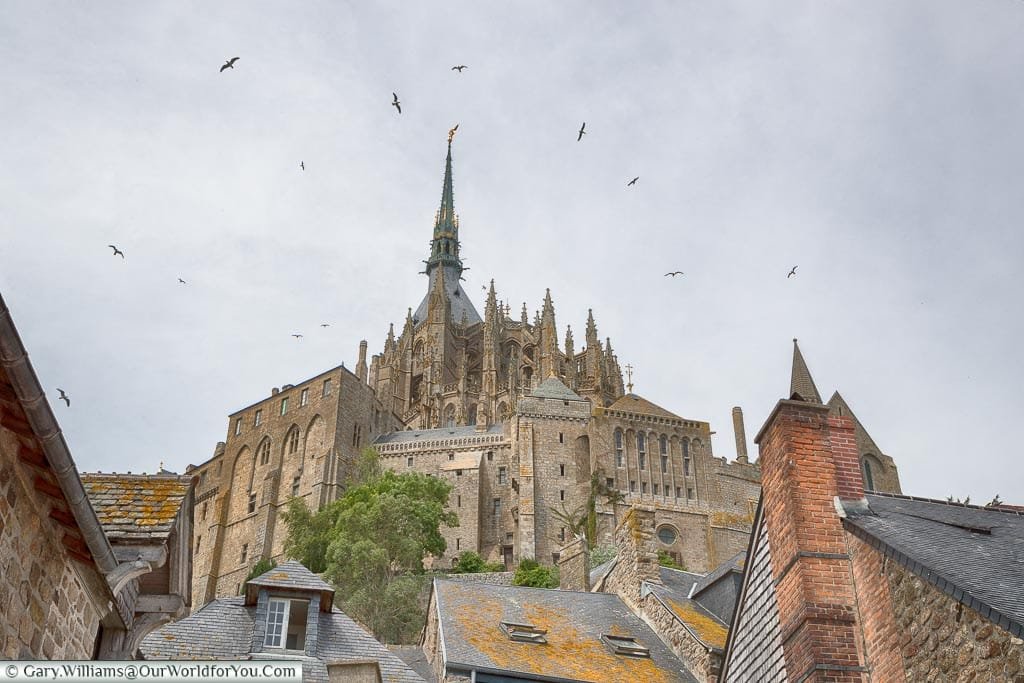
801	385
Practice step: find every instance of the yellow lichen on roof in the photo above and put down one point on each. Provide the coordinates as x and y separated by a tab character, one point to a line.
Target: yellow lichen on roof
568	653
124	501
707	629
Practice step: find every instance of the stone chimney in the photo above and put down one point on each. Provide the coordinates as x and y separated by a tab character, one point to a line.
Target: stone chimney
637	559
574	565
361	372
741	435
807	460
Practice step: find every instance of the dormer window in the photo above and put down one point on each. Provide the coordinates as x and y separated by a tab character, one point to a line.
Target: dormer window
524	633
625	645
286	624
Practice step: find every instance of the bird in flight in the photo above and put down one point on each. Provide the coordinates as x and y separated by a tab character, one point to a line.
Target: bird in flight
459	68
325	324
297	336
396	104
792	272
230	64
633	181
302	165
182	281
117	252
582	132
674	273
63	397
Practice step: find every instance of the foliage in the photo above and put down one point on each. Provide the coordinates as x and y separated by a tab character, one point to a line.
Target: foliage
583	520
531	573
602	554
367	467
470	562
261	567
665	560
371	543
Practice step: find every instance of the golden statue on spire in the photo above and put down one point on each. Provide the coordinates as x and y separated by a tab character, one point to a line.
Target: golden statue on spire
451	133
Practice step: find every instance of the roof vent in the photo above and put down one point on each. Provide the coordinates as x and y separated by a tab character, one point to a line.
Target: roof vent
625	645
524	633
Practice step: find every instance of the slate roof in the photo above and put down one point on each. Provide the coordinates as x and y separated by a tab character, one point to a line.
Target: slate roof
457	296
674	594
410	435
553	387
801	384
974	554
471	616
222	630
291	576
631	403
136	506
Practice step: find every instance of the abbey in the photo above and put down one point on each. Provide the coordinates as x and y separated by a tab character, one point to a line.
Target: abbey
532	433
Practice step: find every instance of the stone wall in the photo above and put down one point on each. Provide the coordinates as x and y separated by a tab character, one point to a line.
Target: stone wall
942	640
637	558
702	662
45	608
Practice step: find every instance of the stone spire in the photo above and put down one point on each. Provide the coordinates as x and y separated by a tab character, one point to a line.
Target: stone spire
592	340
801	386
570	359
444	247
548	339
389	343
524	316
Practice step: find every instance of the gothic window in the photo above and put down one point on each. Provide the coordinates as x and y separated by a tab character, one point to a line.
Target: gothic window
663	445
292	441
618	448
263	452
869	480
641	450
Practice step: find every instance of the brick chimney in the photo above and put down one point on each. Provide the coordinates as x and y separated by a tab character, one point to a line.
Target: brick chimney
808	459
574	565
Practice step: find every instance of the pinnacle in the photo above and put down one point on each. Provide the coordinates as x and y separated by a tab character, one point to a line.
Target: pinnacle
801	385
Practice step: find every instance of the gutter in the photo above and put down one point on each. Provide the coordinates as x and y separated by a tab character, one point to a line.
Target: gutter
44	424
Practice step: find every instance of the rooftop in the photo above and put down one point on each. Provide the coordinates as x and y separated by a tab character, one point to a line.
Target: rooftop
136	506
974	554
223	629
434	434
631	403
471	616
553	387
291	576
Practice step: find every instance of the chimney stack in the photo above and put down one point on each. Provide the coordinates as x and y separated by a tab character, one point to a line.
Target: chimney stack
741	435
361	365
573	565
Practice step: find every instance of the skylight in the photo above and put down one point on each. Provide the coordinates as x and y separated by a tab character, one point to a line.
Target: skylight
625	645
524	633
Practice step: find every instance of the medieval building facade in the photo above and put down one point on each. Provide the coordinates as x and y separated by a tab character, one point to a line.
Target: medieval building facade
530	431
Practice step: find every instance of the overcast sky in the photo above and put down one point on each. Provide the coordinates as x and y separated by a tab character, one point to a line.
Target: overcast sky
875	144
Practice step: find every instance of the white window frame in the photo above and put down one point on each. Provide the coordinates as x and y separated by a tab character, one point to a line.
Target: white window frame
282	636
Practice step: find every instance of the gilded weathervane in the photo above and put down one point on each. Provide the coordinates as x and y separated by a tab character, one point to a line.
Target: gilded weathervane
451	133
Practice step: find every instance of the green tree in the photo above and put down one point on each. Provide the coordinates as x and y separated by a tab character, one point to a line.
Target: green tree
371	544
665	560
261	567
532	573
470	562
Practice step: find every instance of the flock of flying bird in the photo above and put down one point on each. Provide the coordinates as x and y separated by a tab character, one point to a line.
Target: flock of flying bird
397	104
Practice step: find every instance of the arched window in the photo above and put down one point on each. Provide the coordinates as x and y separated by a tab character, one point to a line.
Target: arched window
641	450
502	410
869	480
618	448
686	457
263	452
291	442
663	444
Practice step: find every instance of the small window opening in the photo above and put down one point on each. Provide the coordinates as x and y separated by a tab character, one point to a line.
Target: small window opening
524	633
625	645
561	470
561	437
252	503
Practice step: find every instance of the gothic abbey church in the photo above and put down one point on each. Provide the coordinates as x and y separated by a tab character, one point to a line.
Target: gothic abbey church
523	427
